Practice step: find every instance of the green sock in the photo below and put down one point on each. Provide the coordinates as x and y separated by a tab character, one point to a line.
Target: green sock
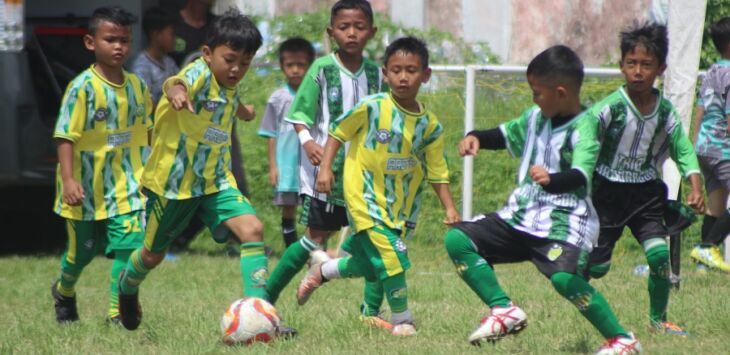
254	270
294	258
473	269
373	296
77	255
657	256
134	273
397	292
70	271
590	303
118	264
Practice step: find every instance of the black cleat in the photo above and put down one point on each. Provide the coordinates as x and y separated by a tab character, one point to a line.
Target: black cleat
65	306
285	332
130	311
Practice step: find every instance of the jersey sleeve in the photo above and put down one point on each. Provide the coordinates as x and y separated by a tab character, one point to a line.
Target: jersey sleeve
585	147
72	115
148	106
269	123
437	170
304	108
345	127
680	147
191	77
515	133
727	98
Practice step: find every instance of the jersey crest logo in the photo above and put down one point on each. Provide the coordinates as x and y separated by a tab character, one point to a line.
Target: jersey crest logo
383	136
555	252
101	114
211	105
140	111
334	94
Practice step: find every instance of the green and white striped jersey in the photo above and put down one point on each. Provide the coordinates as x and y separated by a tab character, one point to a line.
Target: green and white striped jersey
567	216
327	91
634	146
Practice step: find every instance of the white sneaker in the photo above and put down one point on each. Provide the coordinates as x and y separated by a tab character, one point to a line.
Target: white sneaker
318	256
501	322
620	345
403	330
310	282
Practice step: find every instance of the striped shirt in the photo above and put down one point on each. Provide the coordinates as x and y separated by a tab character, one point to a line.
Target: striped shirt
107	124
191	151
328	90
567	216
391	151
713	139
634	147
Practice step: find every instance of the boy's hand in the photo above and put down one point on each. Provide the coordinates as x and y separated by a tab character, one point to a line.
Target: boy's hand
469	145
325	180
314	151
452	217
178	97
73	192
246	112
539	175
273	176
696	201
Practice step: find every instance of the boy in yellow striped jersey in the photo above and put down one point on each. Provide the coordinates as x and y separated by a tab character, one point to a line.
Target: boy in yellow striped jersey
189	170
103	142
395	146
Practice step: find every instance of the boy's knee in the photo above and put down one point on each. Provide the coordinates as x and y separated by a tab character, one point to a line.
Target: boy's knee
561	282
599	270
151	259
657	256
249	229
457	243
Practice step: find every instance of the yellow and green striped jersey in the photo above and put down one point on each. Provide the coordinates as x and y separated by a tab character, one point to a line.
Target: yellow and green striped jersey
191	150
107	124
392	152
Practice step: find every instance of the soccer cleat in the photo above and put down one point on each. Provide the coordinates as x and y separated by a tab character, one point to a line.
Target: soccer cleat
668	328
404	330
130	310
620	345
710	257
65	306
318	256
501	322
285	332
311	281
376	322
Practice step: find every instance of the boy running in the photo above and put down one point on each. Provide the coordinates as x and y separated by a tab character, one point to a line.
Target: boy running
103	144
395	146
548	219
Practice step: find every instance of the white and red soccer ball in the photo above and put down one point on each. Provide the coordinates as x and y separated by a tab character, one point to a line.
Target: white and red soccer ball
249	320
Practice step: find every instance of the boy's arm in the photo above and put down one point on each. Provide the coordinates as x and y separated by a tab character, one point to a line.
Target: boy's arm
273	170
682	152
697	122
246	112
342	129
314	151
491	139
177	94
72	191
442	191
325	178
303	111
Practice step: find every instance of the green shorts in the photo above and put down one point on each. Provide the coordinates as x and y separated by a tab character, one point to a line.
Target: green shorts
122	232
382	247
166	218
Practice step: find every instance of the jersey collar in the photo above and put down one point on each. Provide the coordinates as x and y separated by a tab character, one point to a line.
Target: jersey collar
345	70
96	73
633	108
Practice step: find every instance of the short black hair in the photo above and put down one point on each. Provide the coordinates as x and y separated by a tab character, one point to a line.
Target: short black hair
297	45
156	19
720	32
558	64
650	35
411	45
361	5
113	14
234	30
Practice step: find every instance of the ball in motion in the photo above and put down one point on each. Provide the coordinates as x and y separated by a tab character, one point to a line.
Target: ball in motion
249	320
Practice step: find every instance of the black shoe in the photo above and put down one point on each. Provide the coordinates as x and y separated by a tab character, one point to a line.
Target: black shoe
65	306
285	332
130	311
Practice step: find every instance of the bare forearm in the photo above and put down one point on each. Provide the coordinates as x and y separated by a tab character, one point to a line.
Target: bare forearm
330	151
696	123
444	195
696	182
272	151
65	158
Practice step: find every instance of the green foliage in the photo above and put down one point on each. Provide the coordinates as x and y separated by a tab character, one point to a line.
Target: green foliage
444	47
716	9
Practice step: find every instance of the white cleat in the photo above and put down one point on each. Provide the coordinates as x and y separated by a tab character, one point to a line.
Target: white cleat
501	322
404	330
620	345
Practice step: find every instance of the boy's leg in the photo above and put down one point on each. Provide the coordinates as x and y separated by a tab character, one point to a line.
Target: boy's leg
119	262
81	248
124	234
288	203
716	222
599	260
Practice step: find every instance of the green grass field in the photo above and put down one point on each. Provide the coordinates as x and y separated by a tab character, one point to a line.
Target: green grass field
184	300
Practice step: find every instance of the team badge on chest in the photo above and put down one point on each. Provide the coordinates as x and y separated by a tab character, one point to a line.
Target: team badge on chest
383	136
334	94
101	114
211	105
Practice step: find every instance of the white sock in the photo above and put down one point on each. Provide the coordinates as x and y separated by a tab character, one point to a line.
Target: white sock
402	317
331	269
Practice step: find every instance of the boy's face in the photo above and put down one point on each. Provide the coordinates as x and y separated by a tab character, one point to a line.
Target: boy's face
165	38
227	64
110	43
640	68
294	65
351	30
404	73
547	96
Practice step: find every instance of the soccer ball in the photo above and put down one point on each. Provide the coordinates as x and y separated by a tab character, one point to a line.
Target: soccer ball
249	320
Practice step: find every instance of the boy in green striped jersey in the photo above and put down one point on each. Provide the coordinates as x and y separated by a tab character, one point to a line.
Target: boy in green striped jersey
103	143
189	169
396	145
549	218
639	129
333	84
